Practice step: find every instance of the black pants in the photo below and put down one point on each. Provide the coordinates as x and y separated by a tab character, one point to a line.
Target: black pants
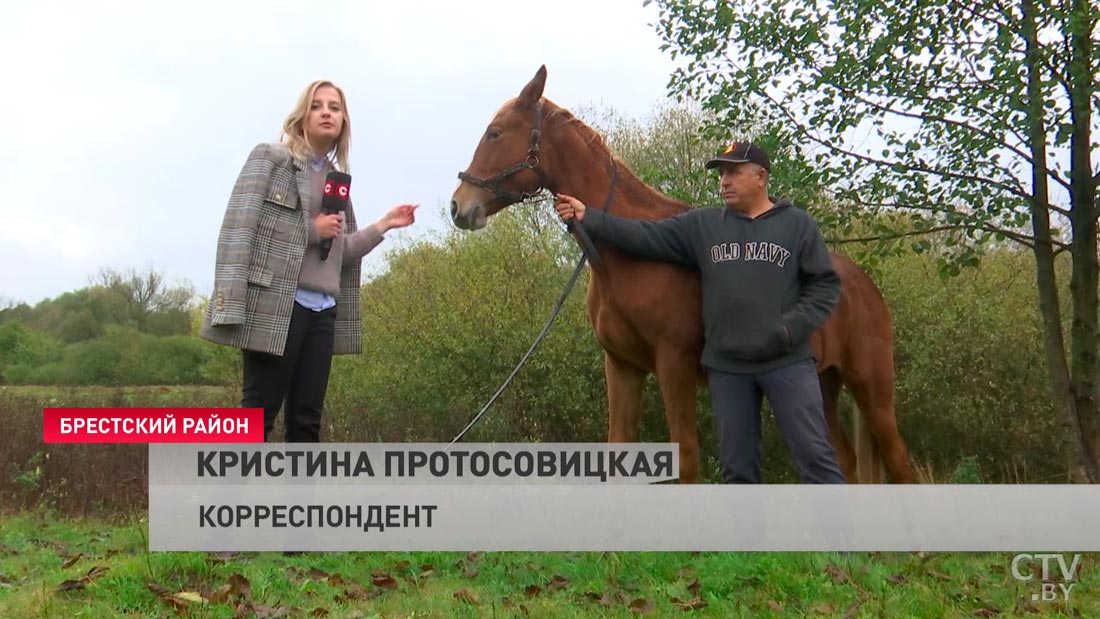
300	376
794	393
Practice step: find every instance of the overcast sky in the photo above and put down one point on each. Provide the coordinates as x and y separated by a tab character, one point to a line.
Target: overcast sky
127	123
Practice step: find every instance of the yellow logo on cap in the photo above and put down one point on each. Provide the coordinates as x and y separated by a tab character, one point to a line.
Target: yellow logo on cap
729	150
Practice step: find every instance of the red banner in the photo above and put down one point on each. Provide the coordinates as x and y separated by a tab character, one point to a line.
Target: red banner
153	425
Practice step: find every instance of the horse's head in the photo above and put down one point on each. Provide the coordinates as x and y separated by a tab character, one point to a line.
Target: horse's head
507	166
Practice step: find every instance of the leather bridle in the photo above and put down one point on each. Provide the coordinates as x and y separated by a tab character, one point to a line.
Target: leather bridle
495	185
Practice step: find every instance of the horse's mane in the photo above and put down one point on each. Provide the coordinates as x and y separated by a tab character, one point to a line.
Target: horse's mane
632	189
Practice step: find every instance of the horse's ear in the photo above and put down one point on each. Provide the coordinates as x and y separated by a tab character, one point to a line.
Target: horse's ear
532	92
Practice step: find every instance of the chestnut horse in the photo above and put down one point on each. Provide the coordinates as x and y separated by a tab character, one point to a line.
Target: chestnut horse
647	315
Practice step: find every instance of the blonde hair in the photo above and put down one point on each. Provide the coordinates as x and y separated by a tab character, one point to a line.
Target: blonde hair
294	130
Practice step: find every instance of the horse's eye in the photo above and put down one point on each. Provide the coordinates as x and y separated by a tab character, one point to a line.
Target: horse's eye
493	133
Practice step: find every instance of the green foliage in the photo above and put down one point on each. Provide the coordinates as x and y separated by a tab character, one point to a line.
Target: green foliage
969	471
124	329
969	359
141	301
445	325
918	107
23	350
122	356
666	150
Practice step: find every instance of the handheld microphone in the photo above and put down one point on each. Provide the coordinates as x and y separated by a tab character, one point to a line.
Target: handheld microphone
335	200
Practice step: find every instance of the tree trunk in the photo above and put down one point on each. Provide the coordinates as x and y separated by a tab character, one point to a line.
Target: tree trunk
1084	334
1075	451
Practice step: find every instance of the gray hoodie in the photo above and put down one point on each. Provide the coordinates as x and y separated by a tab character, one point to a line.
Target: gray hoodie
768	282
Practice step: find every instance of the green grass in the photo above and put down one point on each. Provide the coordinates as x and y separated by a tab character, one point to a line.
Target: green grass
34	546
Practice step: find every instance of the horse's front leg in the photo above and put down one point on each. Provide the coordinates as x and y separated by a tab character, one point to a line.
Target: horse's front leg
678	376
624	399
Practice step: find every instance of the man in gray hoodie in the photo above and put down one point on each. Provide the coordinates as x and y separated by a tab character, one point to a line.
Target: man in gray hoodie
768	283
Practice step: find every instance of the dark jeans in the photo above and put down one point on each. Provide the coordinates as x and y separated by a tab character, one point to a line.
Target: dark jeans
794	393
300	376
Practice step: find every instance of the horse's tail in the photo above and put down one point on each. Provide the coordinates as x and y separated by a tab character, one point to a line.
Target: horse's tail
869	466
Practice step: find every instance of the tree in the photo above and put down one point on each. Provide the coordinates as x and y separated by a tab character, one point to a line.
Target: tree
975	117
141	300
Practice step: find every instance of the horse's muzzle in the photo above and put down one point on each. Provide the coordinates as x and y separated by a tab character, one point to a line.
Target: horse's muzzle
472	218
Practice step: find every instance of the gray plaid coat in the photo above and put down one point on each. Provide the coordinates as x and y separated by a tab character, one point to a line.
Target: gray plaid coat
260	247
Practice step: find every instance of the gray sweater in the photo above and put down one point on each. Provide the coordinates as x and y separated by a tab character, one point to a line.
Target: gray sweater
768	282
324	275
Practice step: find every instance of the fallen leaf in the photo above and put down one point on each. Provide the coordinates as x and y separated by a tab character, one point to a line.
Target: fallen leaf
776	606
356	592
319	612
467	596
839	576
426	570
558	582
71	585
532	590
336	580
220	595
355	614
269	612
853	608
385	582
897	579
240	587
693	604
986	612
317	574
642	606
221	558
401	566
71	560
183	599
471	571
474	557
693	588
180	600
94	573
592	596
824	609
939	575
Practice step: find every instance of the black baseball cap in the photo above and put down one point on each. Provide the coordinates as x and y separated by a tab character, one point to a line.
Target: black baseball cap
742	152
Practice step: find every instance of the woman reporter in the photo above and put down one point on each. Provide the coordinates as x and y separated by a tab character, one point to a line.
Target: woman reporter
288	309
